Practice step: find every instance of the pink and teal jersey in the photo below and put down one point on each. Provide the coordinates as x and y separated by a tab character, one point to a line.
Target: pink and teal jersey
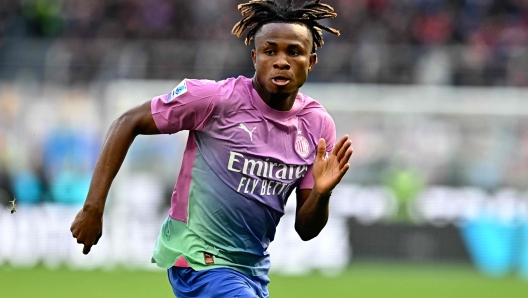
242	161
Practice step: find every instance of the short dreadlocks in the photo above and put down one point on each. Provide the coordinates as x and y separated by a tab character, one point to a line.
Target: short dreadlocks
257	13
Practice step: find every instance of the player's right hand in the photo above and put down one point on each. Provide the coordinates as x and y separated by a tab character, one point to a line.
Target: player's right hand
87	228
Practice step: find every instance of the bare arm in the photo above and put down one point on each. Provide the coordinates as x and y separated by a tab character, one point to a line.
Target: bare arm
312	204
87	226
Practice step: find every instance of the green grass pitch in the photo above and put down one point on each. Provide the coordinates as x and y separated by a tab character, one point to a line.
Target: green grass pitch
362	279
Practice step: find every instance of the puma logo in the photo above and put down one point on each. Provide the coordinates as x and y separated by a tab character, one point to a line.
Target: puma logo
250	132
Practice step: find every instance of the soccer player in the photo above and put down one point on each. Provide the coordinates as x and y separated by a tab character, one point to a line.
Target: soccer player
252	141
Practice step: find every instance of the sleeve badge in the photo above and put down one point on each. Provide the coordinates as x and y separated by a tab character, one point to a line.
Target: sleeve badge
179	90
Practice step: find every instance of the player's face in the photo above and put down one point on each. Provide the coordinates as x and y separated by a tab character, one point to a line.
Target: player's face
283	57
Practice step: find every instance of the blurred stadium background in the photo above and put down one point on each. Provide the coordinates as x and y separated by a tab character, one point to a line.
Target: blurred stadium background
432	92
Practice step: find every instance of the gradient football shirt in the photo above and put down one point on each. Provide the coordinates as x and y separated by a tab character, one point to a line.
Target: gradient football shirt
242	161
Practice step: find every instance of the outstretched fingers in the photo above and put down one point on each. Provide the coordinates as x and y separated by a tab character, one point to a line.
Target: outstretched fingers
343	163
341	150
344	150
341	153
345	153
339	145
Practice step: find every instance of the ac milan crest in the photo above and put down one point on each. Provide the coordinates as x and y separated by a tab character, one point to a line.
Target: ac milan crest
302	147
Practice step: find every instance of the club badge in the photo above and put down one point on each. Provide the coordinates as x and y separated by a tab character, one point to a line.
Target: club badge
302	147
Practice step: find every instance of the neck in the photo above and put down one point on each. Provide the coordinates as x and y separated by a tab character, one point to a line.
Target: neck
279	102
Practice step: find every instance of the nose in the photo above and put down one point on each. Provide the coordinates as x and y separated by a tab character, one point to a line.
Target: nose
281	63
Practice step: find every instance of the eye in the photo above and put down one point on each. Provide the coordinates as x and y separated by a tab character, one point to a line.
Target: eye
295	53
270	52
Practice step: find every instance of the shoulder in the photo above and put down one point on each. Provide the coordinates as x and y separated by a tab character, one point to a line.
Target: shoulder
314	113
196	87
313	109
212	88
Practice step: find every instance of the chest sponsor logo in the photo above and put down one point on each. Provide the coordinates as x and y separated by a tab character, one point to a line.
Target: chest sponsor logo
264	177
246	129
302	147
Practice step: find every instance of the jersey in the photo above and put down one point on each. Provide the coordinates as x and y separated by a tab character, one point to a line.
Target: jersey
241	162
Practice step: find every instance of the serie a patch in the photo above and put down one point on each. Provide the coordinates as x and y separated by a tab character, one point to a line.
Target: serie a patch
178	90
208	258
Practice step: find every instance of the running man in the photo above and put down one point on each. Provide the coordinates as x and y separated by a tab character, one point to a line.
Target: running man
252	141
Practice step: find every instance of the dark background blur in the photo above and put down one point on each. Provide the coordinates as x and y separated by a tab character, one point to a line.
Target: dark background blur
454	42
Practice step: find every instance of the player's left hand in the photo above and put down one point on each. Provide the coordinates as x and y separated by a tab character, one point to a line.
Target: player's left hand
327	172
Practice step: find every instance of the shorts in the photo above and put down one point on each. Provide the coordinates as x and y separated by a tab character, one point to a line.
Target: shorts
216	283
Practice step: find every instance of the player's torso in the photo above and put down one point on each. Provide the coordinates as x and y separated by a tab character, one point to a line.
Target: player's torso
242	161
261	159
246	166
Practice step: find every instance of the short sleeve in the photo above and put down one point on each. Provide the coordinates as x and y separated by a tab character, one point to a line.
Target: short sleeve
329	134
187	107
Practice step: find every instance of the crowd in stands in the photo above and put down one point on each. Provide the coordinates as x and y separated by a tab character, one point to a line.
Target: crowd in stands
462	42
425	22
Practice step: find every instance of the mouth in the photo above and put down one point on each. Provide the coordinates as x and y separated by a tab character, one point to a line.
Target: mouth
280	81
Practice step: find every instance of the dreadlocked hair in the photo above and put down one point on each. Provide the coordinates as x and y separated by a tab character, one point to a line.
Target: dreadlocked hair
257	13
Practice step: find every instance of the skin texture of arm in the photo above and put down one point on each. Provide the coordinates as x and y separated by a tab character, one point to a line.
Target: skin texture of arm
312	204
87	226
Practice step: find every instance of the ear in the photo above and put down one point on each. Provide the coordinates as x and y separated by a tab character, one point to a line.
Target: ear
313	61
254	58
